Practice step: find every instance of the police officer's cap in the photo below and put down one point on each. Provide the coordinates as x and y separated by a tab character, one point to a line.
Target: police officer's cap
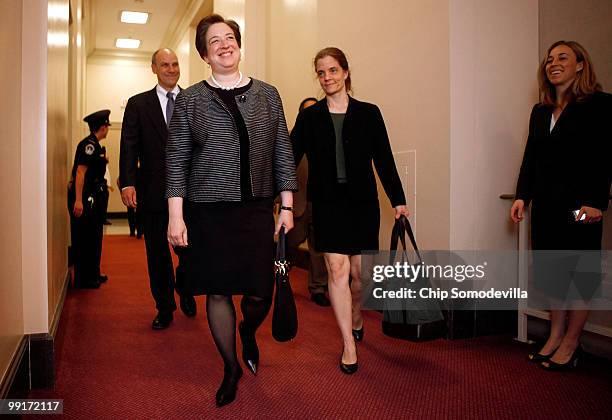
98	119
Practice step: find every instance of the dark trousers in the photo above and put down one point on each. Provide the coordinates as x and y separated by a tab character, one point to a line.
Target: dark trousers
302	230
133	221
86	238
159	261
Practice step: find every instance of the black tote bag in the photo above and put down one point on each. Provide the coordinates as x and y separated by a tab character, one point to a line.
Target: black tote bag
284	313
415	319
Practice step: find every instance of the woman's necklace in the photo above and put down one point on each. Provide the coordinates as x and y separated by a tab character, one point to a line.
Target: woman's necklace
234	86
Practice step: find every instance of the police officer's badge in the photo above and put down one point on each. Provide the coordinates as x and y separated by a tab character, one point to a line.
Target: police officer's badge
89	149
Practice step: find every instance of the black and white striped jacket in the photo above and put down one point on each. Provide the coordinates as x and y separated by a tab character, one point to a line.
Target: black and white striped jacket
203	150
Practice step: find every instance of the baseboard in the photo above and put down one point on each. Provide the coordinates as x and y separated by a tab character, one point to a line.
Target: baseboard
116	215
42	361
33	365
16	383
59	308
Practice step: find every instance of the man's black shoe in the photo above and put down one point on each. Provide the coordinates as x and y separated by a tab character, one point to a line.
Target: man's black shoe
320	299
188	306
162	320
102	278
88	285
107	222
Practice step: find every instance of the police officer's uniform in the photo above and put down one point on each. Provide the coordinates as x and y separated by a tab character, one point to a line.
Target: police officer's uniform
86	230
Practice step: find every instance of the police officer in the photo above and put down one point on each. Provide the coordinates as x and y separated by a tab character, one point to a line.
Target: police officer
86	195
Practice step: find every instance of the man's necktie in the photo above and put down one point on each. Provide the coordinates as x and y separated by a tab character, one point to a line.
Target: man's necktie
169	107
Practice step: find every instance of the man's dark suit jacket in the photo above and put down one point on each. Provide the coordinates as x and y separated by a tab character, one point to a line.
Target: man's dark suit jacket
571	166
365	141
143	138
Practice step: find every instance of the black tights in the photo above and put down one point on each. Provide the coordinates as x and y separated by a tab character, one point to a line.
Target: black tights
222	323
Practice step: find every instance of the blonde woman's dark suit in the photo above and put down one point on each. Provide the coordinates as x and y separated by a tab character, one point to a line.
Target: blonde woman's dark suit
563	170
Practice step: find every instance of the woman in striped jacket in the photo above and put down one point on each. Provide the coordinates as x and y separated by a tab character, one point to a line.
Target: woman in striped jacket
228	155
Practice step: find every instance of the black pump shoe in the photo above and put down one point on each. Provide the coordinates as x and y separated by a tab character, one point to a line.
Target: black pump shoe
250	351
539	358
349	369
227	391
572	363
358	334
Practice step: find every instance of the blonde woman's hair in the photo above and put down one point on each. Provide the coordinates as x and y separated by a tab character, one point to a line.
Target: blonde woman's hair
584	85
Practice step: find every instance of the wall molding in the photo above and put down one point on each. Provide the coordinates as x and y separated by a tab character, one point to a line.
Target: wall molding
57	314
188	13
33	364
11	382
127	57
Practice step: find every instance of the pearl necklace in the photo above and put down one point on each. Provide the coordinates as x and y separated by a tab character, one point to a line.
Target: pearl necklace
234	86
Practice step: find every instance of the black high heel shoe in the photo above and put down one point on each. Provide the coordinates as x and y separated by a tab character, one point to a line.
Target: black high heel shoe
539	357
250	351
358	334
348	368
227	391
572	363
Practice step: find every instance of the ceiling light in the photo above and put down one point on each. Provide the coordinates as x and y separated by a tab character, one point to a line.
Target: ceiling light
127	43
134	17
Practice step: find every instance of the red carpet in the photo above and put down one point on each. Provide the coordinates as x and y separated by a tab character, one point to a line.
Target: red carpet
111	365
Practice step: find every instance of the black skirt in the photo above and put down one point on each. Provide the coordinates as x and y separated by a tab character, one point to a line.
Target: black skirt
567	254
344	225
230	248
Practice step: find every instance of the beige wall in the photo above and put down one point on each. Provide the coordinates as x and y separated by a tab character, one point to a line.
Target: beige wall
182	52
491	98
112	144
291	43
34	161
587	21
198	70
11	300
111	82
58	141
77	74
395	66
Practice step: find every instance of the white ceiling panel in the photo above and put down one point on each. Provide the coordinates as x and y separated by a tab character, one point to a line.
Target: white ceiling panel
108	25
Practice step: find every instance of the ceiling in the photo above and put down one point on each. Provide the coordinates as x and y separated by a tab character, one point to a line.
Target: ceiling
161	28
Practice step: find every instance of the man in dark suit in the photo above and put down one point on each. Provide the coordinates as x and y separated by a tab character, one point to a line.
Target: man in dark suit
143	149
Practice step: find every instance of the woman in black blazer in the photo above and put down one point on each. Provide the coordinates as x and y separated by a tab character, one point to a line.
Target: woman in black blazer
566	168
341	137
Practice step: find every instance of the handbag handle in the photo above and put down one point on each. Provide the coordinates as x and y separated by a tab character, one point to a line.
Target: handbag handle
280	263
408	230
400	229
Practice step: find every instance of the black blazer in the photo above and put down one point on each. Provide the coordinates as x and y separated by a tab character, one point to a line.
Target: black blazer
365	141
570	166
143	139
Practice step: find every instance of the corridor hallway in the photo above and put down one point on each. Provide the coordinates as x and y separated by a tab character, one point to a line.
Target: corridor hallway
111	365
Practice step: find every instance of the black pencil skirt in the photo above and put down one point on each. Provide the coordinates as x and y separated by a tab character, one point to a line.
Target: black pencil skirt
567	254
230	248
345	226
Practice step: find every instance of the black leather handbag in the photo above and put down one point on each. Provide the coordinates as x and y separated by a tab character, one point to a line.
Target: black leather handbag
284	313
411	319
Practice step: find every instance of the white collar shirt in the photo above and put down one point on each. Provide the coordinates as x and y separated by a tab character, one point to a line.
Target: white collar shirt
163	99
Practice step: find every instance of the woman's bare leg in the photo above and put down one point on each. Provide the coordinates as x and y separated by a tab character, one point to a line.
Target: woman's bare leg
339	267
